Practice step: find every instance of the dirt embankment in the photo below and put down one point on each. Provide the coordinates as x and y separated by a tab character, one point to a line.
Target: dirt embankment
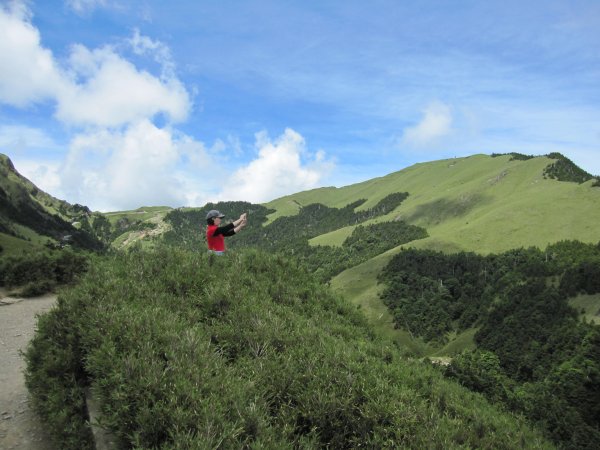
20	428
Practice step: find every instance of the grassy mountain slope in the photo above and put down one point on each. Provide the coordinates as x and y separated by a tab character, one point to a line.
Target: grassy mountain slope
480	203
139	225
34	217
485	204
14	184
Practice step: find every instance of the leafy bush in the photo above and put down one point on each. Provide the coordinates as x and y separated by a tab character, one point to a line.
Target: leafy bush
55	378
564	400
39	273
248	350
36	288
480	371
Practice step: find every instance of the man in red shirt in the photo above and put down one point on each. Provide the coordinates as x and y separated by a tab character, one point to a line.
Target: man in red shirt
215	234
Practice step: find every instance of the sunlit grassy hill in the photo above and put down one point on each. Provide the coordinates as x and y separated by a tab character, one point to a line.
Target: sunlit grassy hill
479	203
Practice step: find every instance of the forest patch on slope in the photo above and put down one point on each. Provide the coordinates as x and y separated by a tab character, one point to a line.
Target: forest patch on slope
533	353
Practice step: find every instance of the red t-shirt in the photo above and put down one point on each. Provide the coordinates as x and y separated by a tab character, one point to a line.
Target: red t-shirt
215	236
216	243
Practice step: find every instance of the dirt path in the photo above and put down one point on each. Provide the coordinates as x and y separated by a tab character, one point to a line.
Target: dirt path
19	426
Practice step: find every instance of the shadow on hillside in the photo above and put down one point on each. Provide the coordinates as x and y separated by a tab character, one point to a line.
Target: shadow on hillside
438	211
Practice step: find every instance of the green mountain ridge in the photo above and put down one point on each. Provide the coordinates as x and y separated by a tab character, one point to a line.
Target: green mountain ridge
30	217
479	203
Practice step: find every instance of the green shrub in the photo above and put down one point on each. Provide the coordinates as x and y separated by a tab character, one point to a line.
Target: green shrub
55	378
38	273
36	288
247	350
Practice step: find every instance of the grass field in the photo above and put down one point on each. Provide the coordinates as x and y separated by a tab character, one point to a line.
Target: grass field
480	204
458	343
12	246
589	304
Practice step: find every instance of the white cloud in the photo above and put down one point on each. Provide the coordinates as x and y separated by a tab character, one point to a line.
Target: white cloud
114	92
111	170
117	170
20	138
436	122
277	171
95	87
29	72
161	53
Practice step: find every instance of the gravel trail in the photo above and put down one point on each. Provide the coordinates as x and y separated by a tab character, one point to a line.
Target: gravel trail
20	428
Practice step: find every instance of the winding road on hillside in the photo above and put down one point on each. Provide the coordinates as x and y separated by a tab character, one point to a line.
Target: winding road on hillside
20	428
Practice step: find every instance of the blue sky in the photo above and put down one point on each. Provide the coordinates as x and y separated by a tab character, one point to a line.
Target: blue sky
118	104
